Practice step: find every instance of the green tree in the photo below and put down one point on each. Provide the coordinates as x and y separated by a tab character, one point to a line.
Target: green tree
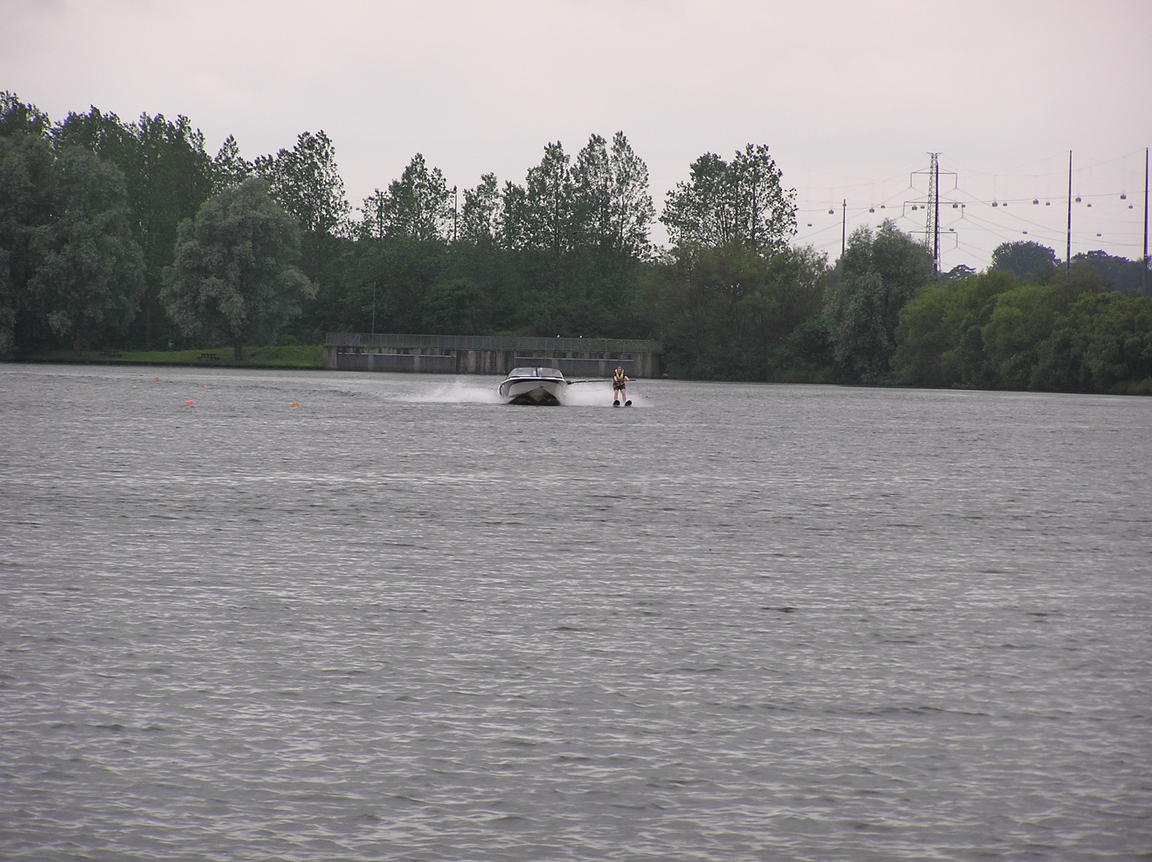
610	212
538	216
479	255
1029	262
1022	320
612	207
728	313
1119	273
456	307
27	210
391	281
371	224
1116	340
514	219
20	118
229	168
168	175
570	239
306	182
1101	343
958	272
877	274
480	214
173	179
91	273
933	346
536	230
106	136
806	354
740	202
419	206
69	264
235	277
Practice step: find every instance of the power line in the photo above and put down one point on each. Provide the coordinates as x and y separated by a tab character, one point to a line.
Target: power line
1103	209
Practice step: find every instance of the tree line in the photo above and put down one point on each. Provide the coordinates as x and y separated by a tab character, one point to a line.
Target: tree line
118	234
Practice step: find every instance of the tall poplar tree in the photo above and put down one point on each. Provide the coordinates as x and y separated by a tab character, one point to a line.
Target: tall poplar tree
539	214
306	182
229	168
741	201
91	271
612	207
167	174
20	118
480	213
27	209
418	206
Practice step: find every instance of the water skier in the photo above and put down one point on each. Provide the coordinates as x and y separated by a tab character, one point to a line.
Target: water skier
620	388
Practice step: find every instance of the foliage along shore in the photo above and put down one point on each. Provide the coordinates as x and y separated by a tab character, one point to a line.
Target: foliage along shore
311	357
305	356
120	237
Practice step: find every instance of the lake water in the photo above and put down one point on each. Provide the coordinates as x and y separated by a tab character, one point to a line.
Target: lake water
332	616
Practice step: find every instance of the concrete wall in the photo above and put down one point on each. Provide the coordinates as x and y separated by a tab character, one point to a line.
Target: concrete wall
396	362
493	355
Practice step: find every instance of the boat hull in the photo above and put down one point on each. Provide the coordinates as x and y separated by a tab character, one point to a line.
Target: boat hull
536	388
533	392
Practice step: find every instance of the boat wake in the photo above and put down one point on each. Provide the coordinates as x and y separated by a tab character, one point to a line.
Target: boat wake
593	394
456	392
589	394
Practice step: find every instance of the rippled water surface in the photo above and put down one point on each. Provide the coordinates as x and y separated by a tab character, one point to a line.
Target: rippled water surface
326	616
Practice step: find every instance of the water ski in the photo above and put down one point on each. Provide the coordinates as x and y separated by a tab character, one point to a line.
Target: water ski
615	403
627	403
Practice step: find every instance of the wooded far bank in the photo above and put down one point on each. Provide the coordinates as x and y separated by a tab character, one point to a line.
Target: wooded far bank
119	236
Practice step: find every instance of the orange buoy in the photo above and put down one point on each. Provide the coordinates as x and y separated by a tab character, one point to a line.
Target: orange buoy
295	403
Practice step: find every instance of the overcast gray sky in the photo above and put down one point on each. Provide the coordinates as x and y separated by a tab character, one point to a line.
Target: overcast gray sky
850	95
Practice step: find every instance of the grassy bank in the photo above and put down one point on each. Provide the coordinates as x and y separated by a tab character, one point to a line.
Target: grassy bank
292	356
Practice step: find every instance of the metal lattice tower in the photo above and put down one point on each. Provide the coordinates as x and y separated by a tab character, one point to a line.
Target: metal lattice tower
931	205
932	223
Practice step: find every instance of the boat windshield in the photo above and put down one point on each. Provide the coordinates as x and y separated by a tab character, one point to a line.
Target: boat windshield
535	372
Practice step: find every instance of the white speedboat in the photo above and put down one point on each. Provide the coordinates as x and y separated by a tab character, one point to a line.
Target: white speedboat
534	385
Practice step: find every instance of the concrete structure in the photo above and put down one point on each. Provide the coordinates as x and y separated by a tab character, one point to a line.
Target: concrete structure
489	354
